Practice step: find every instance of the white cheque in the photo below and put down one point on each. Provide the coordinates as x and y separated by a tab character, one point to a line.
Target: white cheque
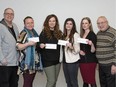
62	42
82	40
51	46
35	39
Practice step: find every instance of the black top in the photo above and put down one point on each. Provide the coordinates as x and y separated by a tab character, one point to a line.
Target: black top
12	32
49	56
89	56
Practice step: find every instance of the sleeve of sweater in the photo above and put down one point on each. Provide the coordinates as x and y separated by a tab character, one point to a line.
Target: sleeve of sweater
114	46
76	45
42	37
93	39
1	39
22	37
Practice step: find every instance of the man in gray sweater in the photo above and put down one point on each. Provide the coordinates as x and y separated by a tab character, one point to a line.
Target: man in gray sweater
8	52
106	53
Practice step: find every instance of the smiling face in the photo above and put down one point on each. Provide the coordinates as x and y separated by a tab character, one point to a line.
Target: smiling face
85	24
69	25
29	23
52	22
8	15
102	23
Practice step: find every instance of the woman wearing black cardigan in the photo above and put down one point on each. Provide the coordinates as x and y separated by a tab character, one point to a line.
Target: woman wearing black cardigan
88	59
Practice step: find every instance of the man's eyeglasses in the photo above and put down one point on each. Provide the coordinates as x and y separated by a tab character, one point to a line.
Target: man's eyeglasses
9	14
101	23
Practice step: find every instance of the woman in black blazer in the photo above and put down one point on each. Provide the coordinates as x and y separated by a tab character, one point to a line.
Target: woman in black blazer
88	59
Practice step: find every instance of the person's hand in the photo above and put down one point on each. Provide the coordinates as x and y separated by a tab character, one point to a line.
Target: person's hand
69	45
31	43
89	42
97	67
42	45
4	62
82	52
113	69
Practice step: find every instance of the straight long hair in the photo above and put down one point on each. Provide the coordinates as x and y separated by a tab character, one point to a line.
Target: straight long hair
73	30
82	31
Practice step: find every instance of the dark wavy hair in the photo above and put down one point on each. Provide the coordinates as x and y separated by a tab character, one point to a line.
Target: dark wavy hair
46	29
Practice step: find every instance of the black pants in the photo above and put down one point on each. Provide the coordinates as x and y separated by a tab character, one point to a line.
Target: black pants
115	80
106	78
70	73
8	76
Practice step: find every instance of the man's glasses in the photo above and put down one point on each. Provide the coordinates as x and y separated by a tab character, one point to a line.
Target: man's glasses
101	23
12	14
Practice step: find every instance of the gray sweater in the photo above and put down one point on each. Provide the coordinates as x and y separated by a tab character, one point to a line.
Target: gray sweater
106	46
8	45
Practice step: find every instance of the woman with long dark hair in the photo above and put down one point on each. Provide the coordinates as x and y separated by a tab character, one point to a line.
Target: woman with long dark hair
71	53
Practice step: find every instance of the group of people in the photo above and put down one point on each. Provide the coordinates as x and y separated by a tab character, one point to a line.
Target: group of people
99	49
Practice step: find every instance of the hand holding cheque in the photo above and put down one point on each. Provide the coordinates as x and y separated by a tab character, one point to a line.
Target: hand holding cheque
53	46
60	42
64	43
84	41
79	40
32	41
48	46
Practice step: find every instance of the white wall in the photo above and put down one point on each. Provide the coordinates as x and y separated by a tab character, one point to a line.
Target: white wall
115	14
76	9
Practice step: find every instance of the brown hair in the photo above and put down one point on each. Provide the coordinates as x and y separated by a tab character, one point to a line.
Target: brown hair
28	17
46	29
73	30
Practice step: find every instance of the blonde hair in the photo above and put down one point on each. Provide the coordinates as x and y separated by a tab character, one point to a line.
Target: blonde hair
102	17
82	31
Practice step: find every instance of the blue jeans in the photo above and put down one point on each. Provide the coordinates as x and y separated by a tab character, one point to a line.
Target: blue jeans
71	73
